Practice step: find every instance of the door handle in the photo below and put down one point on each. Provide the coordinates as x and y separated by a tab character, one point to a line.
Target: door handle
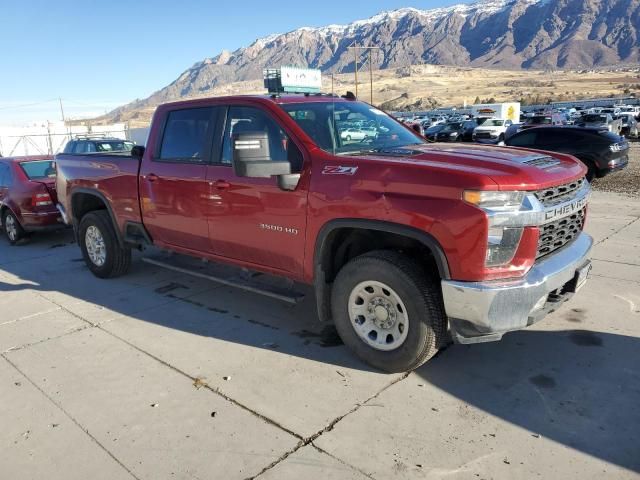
152	177
221	184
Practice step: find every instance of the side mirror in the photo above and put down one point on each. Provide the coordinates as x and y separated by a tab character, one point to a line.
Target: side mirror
137	151
252	158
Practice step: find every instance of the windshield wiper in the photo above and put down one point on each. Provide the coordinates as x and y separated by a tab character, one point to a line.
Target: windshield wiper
401	150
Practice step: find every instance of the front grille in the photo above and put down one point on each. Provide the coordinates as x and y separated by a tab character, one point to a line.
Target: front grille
483	135
555	235
553	195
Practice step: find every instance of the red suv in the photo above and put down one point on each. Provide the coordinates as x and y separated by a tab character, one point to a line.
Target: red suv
28	196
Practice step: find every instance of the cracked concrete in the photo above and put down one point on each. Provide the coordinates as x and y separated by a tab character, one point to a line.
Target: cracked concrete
157	375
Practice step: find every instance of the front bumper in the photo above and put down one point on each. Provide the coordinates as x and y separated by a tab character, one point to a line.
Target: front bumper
484	311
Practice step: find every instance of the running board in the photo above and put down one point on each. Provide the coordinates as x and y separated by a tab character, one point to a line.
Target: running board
235	279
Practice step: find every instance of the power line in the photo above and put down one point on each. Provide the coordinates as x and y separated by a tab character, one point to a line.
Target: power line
28	104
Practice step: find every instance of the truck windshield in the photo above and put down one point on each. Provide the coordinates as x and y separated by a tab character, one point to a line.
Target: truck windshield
350	127
493	123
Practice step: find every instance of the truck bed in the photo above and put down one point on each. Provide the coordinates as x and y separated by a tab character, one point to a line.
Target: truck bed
115	176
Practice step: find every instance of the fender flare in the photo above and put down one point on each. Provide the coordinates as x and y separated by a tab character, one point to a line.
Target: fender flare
321	287
105	201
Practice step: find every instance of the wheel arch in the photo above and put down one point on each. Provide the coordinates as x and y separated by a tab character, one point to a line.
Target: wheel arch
85	200
340	240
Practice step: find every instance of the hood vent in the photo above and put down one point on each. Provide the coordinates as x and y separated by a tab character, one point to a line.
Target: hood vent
541	161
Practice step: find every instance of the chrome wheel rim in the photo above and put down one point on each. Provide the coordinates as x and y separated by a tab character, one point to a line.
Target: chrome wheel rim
94	242
11	227
378	315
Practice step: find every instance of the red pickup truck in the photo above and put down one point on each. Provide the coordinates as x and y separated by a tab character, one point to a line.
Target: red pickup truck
403	241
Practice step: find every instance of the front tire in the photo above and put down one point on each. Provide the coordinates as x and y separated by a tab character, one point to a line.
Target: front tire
388	312
12	228
100	247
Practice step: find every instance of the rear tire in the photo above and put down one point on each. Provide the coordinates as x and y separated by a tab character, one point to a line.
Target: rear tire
12	228
100	247
388	312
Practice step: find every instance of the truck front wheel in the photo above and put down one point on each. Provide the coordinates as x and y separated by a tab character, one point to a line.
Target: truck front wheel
388	311
100	247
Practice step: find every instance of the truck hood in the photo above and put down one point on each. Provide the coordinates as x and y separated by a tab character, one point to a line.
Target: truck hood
506	168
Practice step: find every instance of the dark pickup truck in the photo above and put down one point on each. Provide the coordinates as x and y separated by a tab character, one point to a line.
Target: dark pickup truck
402	241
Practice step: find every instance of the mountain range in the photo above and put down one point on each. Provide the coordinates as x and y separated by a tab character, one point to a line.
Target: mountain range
511	34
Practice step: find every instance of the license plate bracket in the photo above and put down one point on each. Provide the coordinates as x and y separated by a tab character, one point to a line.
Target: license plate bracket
580	278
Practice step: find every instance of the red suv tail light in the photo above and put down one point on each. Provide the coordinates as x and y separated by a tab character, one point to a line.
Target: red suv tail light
41	200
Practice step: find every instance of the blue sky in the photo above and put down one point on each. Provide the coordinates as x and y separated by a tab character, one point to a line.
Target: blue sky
97	55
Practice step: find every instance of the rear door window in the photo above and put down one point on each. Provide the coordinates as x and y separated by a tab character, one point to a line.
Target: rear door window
81	147
524	139
553	138
187	136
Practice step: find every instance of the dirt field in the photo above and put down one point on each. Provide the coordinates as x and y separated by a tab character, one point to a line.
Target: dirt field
628	180
422	87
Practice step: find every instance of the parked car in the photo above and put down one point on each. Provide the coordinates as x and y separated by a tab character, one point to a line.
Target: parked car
546	119
370	132
630	126
492	130
98	144
403	241
601	151
350	134
468	126
452	132
601	120
28	196
431	132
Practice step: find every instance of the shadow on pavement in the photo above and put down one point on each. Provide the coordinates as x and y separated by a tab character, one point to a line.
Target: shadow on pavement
576	387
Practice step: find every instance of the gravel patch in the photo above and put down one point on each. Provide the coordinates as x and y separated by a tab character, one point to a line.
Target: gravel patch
626	181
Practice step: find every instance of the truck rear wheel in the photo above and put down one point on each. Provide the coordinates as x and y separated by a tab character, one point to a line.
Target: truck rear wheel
388	311
100	247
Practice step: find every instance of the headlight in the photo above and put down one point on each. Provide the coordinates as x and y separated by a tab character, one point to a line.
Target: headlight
453	134
494	200
502	241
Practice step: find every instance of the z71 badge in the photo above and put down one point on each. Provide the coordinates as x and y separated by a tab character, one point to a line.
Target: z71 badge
339	170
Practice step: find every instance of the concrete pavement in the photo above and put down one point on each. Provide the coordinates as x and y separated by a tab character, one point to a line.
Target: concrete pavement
157	375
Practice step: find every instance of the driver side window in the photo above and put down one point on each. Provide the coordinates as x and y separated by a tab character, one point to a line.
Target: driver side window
251	119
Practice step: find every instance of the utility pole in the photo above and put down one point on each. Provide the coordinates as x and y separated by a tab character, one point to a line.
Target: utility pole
61	109
355	53
368	48
370	79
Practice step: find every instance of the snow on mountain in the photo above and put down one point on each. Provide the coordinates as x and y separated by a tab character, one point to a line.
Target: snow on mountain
491	33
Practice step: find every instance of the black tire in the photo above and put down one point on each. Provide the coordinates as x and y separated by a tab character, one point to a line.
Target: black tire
348	138
591	168
421	296
118	259
15	234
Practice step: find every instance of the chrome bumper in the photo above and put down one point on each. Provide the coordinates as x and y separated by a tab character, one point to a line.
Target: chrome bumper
483	311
